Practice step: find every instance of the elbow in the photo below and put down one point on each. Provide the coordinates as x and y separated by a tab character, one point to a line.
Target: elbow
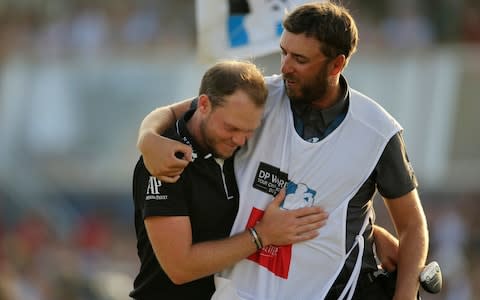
420	227
426	234
179	279
178	276
418	223
417	231
423	228
141	140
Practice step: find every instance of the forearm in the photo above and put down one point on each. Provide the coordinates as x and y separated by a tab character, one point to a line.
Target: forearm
380	233
413	251
184	261
277	227
386	246
206	258
158	120
411	226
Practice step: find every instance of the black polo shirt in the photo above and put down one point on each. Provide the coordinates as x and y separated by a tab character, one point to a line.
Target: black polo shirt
203	193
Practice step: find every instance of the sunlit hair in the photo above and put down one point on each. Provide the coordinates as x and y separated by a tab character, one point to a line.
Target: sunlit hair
329	23
226	77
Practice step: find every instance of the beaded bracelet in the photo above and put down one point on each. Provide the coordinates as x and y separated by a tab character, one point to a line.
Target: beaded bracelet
256	238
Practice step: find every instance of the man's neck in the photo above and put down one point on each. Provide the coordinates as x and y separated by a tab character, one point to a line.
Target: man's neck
332	96
337	92
193	127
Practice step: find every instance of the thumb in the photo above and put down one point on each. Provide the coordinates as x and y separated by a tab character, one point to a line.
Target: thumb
277	201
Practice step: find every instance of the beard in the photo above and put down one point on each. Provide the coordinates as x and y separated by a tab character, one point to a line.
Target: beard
309	91
209	141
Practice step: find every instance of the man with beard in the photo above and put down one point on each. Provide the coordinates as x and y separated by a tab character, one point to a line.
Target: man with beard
182	227
337	146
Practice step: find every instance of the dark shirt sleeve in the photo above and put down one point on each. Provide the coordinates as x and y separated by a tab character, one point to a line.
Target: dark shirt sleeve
194	103
394	173
159	198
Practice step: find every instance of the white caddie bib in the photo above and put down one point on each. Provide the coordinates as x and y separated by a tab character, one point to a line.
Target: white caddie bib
327	173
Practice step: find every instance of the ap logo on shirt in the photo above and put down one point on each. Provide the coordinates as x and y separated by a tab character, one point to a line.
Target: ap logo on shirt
153	190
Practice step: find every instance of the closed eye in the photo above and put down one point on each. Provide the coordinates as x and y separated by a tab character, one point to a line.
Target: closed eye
234	129
297	57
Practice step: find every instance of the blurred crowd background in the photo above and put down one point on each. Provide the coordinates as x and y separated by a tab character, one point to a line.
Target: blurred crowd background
78	76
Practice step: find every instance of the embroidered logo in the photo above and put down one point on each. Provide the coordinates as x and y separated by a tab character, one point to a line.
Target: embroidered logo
153	192
298	195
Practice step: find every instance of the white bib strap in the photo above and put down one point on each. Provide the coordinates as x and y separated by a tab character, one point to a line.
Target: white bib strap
351	284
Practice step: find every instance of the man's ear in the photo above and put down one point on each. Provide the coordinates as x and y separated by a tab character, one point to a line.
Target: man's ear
337	65
204	106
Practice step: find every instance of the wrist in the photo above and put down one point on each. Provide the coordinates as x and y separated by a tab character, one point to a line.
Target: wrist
256	238
264	233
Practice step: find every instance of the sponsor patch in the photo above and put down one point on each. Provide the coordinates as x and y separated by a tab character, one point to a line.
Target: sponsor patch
269	179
